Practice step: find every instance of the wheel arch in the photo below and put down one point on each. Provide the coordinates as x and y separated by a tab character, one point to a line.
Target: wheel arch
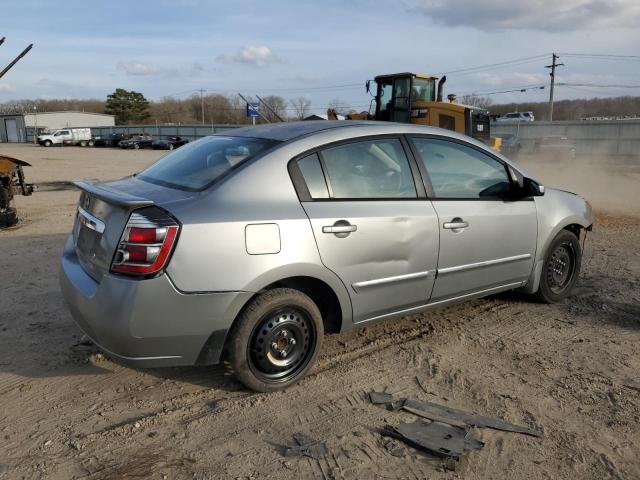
320	284
573	224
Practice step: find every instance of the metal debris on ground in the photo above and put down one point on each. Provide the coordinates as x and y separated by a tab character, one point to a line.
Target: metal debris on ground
306	447
394	448
434	437
452	416
378	398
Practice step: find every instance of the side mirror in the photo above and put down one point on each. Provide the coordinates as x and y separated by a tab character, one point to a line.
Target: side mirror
368	85
532	188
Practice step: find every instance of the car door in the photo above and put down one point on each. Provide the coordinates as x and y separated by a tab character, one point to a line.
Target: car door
487	234
372	226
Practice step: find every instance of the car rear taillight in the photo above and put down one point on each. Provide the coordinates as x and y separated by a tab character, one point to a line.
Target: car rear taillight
146	243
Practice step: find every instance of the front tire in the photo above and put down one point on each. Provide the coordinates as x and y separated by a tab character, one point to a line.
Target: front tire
275	340
47	143
561	268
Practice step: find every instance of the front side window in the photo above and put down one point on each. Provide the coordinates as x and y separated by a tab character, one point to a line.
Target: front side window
462	172
368	170
198	164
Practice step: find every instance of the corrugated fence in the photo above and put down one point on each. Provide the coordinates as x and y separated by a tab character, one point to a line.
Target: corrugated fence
614	137
190	132
602	137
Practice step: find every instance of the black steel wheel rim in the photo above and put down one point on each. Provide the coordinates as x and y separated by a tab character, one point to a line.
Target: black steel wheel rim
561	267
281	345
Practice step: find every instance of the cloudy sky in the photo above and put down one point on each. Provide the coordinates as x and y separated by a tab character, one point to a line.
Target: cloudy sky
323	50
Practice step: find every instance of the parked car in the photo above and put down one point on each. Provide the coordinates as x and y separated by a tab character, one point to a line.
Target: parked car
109	140
136	141
516	117
67	136
510	143
249	246
555	147
169	144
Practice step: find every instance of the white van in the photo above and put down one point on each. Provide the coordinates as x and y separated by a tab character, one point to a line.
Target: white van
67	136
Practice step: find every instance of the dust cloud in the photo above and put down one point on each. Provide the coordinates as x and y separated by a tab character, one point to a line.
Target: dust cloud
610	184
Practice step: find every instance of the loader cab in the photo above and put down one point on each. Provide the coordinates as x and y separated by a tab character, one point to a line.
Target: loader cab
416	98
397	95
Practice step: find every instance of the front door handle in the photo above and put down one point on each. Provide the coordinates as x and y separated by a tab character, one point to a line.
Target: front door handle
455	224
340	229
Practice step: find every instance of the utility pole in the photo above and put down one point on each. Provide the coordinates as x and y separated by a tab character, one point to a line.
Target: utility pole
553	66
202	103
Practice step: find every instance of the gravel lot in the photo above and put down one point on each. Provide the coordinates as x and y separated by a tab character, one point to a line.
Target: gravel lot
571	370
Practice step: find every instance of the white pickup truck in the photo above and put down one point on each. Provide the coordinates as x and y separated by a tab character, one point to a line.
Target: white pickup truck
67	136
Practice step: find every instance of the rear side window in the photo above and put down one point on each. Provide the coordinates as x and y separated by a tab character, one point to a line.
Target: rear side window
313	176
368	170
198	164
462	172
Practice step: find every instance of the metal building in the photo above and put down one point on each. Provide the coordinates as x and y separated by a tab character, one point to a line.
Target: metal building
19	128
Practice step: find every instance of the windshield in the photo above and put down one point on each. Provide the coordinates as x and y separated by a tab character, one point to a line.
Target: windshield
198	164
423	89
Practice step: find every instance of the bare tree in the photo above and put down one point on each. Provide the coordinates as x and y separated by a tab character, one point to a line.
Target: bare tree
301	107
278	105
476	101
340	107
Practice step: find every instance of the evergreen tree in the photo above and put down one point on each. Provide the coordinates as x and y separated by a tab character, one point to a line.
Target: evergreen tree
127	106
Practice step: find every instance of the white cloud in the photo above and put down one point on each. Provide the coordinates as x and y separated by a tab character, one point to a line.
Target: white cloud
258	56
138	68
546	15
7	88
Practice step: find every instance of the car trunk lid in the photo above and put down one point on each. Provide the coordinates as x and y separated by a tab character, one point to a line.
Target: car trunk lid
102	215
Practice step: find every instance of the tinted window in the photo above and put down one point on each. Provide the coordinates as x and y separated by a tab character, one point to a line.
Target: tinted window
458	171
313	176
371	169
197	164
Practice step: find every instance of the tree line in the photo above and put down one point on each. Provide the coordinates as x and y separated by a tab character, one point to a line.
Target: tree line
132	107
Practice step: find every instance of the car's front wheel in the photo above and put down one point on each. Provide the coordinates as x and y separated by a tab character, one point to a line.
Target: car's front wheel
561	268
275	340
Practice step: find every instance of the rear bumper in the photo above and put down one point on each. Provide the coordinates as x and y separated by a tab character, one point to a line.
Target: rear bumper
148	323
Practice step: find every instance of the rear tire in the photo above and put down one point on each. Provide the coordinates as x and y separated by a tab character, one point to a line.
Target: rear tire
275	340
136	146
560	269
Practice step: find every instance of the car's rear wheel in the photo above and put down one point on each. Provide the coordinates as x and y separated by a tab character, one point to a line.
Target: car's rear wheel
171	146
275	340
136	146
561	268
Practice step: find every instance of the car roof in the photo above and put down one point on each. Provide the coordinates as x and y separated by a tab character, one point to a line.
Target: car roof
285	131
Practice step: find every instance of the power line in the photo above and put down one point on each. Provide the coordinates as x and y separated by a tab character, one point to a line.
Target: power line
492	66
522	88
596	85
601	56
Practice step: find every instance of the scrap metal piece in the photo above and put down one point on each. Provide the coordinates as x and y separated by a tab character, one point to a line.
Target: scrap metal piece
437	438
307	447
459	418
378	398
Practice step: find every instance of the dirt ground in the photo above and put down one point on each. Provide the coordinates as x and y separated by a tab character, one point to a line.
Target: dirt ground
571	370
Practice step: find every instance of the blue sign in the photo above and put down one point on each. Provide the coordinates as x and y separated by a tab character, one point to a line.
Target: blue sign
252	109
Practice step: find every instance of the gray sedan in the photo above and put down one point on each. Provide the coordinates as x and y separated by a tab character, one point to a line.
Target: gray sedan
250	246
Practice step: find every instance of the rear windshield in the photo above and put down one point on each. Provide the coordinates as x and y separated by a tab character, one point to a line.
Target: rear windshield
198	164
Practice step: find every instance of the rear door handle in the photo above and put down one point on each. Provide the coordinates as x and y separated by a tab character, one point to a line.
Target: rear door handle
340	229
455	224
